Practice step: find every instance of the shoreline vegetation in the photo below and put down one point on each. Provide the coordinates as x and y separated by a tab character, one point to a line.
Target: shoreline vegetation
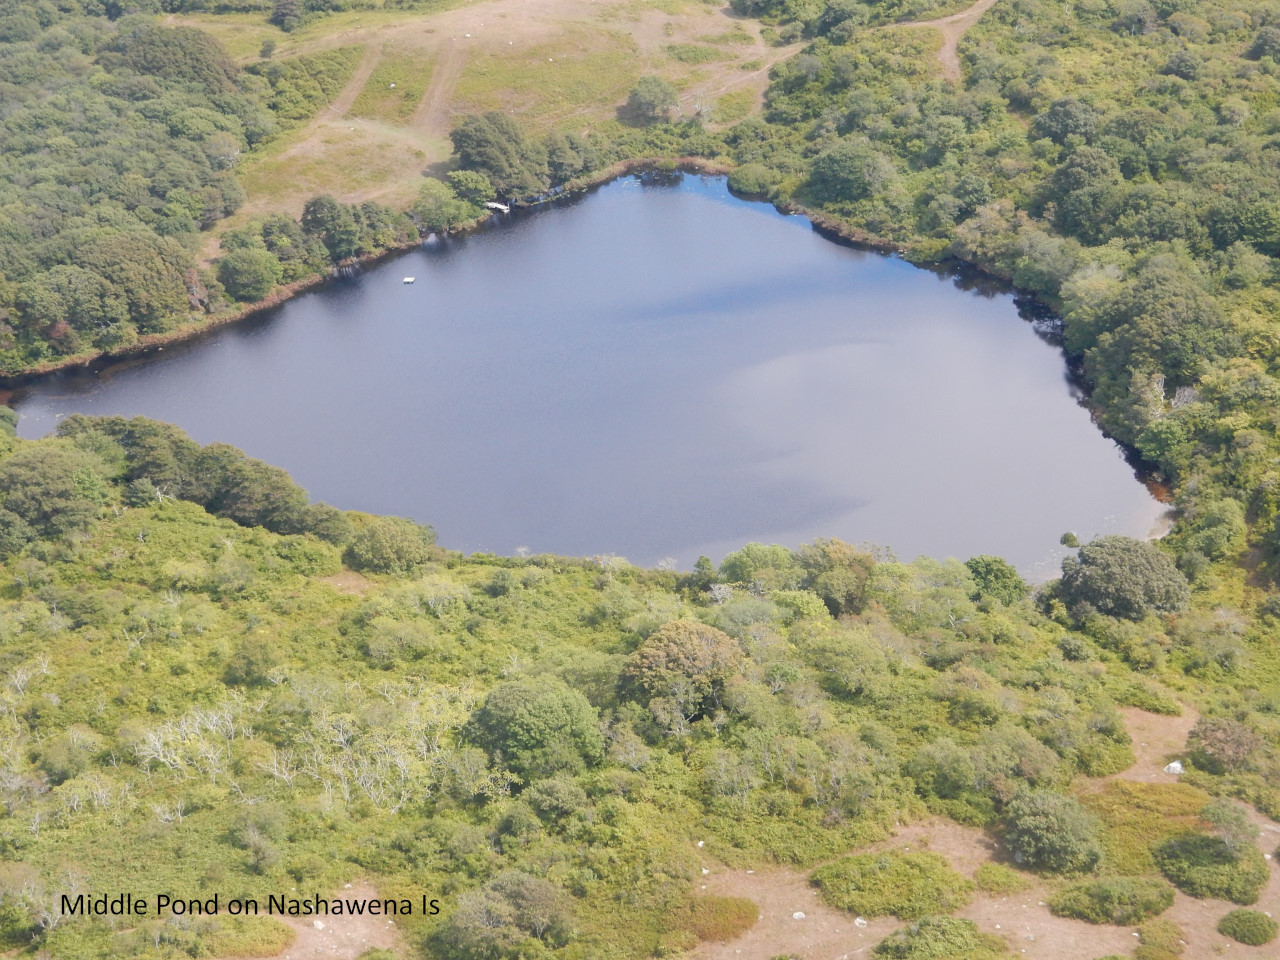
834	226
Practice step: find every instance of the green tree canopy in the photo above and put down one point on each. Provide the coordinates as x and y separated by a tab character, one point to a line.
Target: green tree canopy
1125	578
1052	832
538	726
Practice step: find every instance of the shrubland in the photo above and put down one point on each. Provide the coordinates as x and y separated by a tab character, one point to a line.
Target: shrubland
213	684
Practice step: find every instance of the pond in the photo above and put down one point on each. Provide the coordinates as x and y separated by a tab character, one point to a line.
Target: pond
655	370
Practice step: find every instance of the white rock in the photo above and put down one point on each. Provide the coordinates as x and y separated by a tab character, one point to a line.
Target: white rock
1175	768
318	924
705	871
702	843
860	923
798	915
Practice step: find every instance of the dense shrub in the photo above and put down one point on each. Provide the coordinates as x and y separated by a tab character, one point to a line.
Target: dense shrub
1048	831
1248	926
907	885
1204	866
1120	900
389	545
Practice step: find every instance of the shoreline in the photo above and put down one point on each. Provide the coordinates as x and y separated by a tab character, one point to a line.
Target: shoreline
154	342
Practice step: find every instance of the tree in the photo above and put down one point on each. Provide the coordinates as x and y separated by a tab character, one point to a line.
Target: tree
471	185
250	273
1048	831
996	578
652	98
335	225
389	545
849	171
1266	43
495	145
773	565
1232	825
1124	578
687	661
1066	117
52	488
287	14
539	726
438	209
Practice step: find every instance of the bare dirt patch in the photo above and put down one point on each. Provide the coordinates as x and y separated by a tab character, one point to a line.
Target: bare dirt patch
340	938
347	581
1157	739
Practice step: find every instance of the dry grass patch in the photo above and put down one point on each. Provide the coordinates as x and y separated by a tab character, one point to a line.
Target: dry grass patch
395	87
579	70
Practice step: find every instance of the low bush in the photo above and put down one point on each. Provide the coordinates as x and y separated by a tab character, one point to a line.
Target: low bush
1204	866
722	918
1162	935
999	879
250	937
907	885
1250	927
941	938
1120	900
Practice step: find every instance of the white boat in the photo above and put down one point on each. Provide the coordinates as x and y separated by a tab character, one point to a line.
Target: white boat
410	279
500	207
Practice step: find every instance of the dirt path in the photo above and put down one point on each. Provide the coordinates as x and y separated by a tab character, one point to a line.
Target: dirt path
952	29
1157	739
364	70
433	116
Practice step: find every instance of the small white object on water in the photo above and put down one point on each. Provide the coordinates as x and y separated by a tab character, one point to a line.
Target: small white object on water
317	924
406	280
860	923
1175	768
798	915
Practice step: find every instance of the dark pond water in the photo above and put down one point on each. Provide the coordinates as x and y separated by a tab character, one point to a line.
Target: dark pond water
656	370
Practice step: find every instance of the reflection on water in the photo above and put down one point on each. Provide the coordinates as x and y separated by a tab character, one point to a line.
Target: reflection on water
655	371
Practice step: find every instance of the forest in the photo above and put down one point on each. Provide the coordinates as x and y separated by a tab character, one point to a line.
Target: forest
213	684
